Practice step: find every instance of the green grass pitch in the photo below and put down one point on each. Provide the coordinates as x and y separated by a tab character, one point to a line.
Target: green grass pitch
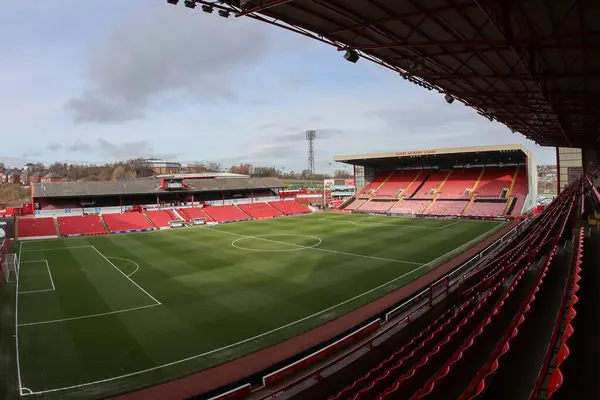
106	314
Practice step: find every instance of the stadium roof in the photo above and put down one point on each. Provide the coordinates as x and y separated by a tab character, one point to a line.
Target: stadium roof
512	153
532	65
147	186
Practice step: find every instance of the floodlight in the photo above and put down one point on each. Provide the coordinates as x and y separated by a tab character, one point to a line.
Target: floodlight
224	13
190	4
174	2
207	9
449	99
352	56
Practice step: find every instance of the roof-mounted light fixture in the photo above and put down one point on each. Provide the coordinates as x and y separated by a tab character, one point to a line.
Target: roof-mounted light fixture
352	56
449	98
190	4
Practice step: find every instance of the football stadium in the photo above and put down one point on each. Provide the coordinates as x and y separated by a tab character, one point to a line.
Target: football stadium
430	274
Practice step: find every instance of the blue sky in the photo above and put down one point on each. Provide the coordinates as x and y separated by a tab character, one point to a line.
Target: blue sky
101	81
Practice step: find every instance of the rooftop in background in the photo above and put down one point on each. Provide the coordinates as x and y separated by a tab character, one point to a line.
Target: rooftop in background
476	155
148	186
203	175
533	67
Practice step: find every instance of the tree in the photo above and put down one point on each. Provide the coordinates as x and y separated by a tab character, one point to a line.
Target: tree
341	173
213	166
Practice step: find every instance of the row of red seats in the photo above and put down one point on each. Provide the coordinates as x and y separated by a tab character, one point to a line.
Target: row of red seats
289	207
81	225
486	209
127	222
377	206
260	210
396	181
36	227
161	218
226	213
429	361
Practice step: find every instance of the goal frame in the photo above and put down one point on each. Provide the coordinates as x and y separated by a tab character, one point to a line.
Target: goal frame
10	267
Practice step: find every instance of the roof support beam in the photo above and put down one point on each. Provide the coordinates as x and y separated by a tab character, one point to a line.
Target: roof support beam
502	43
262	7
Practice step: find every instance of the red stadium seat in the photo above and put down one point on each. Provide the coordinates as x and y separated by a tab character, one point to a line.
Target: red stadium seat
81	225
226	213
459	183
161	218
398	180
127	222
260	210
36	227
289	207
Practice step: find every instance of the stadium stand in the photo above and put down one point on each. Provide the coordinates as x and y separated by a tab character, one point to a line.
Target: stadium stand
161	218
36	227
372	186
194	212
460	183
226	213
416	206
519	192
127	222
260	210
289	207
81	225
446	207
472	346
355	204
398	183
431	185
494	181
376	206
486	209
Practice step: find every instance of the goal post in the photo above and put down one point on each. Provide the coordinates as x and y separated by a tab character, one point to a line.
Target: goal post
10	268
404	212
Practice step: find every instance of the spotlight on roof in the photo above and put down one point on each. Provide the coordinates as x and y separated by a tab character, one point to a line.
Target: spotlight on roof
449	99
224	13
207	9
174	2
352	56
190	4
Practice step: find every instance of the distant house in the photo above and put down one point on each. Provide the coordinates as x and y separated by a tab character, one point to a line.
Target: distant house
14	176
51	177
2	175
29	167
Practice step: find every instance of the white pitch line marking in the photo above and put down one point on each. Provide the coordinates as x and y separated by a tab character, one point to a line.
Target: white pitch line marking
314	248
137	266
237	343
88	316
125	275
57	248
390	225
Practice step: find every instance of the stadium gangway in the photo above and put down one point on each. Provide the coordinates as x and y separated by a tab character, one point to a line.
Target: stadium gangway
406	352
454	377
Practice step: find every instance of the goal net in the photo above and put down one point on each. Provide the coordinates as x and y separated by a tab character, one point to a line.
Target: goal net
405	212
10	268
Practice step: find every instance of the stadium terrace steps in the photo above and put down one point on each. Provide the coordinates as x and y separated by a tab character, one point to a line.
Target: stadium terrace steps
127	222
417	206
161	218
36	227
396	181
447	207
260	210
81	225
486	209
458	182
289	207
377	206
194	212
372	186
494	181
226	213
432	184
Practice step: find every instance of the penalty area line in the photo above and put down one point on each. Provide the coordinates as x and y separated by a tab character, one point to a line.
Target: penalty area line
87	316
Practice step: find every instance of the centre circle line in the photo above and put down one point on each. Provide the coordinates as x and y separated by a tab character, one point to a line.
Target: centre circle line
296	247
